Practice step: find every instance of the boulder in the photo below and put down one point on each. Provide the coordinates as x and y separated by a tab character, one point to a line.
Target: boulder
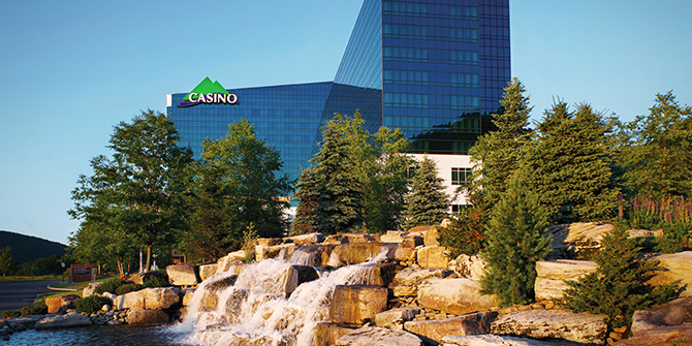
454	296
432	331
139	278
432	236
494	340
354	253
183	274
393	237
551	276
413	240
326	333
350	238
375	336
407	281
269	241
432	257
89	290
672	313
230	262
282	252
148	299
357	304
558	324
644	233
147	318
404	254
470	267
187	295
307	239
661	336
579	240
63	321
207	270
395	318
54	305
677	266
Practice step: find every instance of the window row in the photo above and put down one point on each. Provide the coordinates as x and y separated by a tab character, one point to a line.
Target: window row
424	54
466	34
461	175
470	12
469	80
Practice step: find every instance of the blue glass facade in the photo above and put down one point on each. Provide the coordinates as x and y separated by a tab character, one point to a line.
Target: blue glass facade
436	69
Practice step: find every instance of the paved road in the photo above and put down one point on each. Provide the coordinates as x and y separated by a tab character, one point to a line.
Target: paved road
18	294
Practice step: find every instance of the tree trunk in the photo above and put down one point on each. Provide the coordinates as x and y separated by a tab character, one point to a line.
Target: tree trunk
148	265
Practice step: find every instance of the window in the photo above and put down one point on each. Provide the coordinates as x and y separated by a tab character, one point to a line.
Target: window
460	175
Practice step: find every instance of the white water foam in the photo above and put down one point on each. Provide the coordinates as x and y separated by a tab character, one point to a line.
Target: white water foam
255	311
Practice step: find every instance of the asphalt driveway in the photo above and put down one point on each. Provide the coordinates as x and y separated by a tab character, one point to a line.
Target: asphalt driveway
18	294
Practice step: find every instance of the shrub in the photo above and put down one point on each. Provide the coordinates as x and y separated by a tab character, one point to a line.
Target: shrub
156	281
109	285
39	308
618	287
465	232
514	246
127	288
11	314
91	304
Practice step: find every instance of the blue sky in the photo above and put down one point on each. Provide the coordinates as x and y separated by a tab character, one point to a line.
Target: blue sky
74	69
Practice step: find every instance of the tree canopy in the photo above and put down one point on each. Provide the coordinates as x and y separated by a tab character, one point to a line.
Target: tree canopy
237	186
135	197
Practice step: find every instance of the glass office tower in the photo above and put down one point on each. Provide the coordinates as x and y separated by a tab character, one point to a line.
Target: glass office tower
436	69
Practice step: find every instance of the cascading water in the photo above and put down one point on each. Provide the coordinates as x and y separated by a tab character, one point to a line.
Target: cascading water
255	310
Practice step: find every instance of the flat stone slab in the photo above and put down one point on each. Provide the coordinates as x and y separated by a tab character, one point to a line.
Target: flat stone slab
557	324
433	331
376	336
673	313
495	340
63	321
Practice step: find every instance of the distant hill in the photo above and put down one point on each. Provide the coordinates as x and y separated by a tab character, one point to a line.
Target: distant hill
26	248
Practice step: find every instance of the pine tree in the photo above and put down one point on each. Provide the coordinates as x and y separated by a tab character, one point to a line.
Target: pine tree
619	285
499	153
570	168
657	151
340	193
514	246
427	203
308	200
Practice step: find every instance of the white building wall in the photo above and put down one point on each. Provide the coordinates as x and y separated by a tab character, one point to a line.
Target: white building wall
445	163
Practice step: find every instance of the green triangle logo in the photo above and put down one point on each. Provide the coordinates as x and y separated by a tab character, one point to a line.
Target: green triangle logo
207	87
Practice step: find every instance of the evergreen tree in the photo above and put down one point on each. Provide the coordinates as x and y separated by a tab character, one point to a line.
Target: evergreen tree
619	286
427	203
514	246
308	200
499	153
340	205
237	186
658	148
570	168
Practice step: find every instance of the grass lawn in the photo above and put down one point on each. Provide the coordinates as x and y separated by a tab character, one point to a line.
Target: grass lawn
74	288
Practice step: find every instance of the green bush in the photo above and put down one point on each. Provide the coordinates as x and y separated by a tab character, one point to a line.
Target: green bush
127	288
109	285
11	314
154	281
465	232
39	308
91	304
619	285
514	246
